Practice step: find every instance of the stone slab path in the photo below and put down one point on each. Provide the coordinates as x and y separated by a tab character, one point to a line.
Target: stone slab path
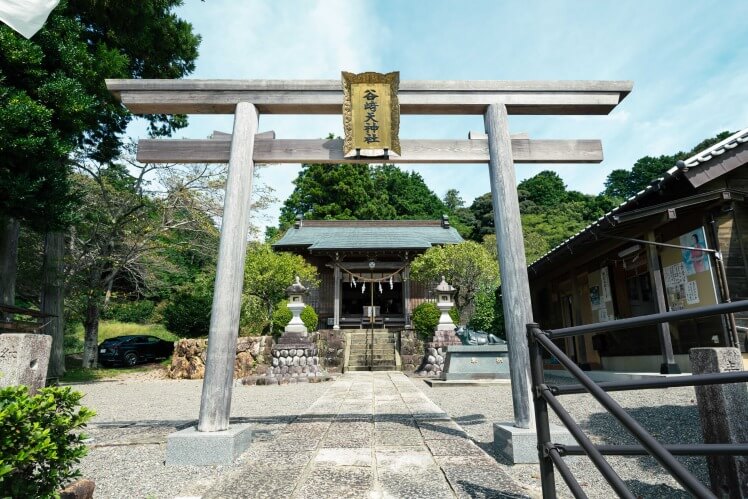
371	435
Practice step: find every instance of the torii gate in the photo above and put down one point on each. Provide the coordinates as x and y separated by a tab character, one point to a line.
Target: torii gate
247	99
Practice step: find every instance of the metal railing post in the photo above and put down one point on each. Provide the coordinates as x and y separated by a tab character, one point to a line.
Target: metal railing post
542	425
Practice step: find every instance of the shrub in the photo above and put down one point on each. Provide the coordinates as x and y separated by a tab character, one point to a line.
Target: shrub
282	316
139	311
488	316
40	442
188	314
425	319
254	319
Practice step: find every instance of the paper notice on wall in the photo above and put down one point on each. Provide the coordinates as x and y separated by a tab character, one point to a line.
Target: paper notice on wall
603	315
675	275
605	281
692	293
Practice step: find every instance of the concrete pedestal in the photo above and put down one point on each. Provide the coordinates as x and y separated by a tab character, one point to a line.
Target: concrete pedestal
520	445
476	362
207	448
24	359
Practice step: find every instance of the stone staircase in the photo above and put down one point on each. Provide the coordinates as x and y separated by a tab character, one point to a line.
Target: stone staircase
372	351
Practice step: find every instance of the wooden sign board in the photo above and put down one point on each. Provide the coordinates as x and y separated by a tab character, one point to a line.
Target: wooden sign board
371	114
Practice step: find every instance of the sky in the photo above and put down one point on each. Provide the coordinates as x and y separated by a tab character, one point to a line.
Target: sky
688	61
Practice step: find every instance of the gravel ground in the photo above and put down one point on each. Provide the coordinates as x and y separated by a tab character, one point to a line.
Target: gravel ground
134	416
671	415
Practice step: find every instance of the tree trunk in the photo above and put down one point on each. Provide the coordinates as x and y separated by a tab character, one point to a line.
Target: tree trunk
52	299
8	261
91	332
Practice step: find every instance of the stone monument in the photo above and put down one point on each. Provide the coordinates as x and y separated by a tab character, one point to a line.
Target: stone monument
723	410
24	359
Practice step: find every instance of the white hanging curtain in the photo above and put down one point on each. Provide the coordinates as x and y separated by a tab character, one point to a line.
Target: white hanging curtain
26	16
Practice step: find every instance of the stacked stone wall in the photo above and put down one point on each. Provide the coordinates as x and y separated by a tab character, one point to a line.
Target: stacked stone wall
331	344
411	350
435	353
188	360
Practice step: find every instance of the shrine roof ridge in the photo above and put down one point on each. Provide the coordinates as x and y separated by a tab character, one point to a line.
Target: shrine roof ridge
368	235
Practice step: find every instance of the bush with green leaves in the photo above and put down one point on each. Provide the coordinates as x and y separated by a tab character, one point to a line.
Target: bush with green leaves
188	312
282	316
139	311
488	315
426	317
40	440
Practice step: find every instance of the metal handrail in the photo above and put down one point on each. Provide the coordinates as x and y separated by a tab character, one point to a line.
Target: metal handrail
551	455
648	320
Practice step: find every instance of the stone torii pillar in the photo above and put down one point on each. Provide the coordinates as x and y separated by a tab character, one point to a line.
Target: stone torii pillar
212	442
215	404
517	441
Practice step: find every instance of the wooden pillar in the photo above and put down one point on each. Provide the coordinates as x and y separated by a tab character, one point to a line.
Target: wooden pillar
668	365
515	286
579	341
215	404
336	304
406	292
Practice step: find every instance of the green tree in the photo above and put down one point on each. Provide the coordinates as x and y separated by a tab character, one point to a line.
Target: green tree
545	189
622	184
54	101
358	192
452	200
121	232
407	193
466	266
53	97
267	274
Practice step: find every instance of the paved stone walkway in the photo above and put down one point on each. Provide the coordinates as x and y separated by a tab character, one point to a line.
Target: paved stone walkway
371	435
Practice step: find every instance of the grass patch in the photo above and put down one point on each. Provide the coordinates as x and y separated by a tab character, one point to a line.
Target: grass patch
75	373
110	329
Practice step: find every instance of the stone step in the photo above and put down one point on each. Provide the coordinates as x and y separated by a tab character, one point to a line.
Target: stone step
374	351
383	367
360	359
373	368
364	341
369	348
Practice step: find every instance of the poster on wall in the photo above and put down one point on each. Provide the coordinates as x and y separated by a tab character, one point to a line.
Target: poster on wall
601	296
687	272
695	260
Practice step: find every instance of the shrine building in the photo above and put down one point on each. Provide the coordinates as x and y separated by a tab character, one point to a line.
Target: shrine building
365	263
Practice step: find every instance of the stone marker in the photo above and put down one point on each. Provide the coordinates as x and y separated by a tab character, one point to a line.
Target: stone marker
723	410
24	359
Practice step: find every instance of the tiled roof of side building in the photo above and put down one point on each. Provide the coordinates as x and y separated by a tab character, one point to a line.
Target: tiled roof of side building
694	161
368	234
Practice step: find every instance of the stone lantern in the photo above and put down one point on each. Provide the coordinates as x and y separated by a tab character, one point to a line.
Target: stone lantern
296	292
444	302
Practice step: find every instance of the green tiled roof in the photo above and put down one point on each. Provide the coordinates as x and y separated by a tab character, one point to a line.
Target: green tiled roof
358	235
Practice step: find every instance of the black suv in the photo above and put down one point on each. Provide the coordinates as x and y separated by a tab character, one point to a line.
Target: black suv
130	350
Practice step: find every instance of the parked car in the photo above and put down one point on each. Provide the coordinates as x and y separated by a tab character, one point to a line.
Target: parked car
133	349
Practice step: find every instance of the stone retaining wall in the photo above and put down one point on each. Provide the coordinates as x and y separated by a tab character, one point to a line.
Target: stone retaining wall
294	361
435	353
331	345
188	360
